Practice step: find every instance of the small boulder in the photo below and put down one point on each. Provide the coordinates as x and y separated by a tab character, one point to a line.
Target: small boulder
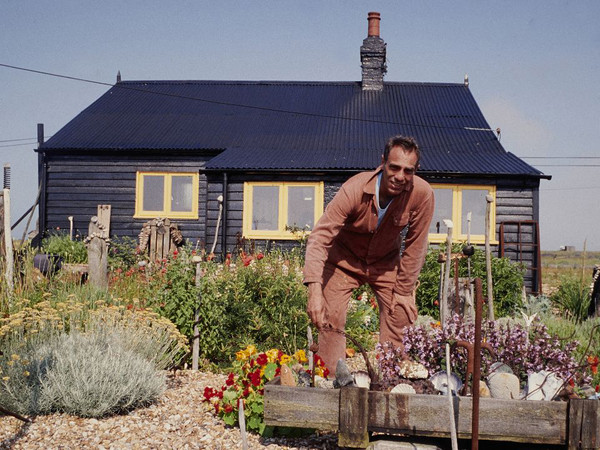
287	376
323	383
412	370
543	385
504	386
403	388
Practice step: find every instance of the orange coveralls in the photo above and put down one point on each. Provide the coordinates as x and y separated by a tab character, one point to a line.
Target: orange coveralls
347	249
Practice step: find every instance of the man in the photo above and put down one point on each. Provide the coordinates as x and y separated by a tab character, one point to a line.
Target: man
373	231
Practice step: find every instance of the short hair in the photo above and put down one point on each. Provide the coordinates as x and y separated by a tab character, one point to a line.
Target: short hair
407	143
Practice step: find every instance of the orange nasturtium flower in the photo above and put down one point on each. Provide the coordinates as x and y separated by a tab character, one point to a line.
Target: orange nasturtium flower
593	362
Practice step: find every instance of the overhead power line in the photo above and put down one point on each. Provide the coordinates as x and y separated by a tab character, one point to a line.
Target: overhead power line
560	157
239	105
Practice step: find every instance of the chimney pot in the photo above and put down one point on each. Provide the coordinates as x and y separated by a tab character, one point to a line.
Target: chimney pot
374	18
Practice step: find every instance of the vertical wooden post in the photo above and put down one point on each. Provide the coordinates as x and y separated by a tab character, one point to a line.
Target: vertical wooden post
98	234
444	310
584	424
354	417
196	337
488	256
8	246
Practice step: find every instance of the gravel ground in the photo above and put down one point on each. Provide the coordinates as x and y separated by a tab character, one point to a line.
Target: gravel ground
180	420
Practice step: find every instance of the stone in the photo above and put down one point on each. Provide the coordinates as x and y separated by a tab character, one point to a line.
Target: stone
543	385
362	379
504	386
440	382
287	376
403	388
413	370
499	367
323	383
484	390
343	377
303	379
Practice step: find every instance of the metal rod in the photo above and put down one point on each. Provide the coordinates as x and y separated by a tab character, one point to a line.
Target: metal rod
476	364
450	401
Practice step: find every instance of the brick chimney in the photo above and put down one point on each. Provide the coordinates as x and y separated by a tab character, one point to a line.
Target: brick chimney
372	56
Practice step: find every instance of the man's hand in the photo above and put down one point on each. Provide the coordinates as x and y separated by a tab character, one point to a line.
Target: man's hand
316	305
407	302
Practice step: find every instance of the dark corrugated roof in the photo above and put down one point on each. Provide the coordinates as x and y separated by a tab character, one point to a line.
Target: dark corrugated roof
293	125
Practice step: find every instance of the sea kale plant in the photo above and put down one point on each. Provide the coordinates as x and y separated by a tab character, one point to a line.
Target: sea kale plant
525	348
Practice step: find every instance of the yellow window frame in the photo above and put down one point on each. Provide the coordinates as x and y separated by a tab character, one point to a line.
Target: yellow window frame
281	232
166	211
457	233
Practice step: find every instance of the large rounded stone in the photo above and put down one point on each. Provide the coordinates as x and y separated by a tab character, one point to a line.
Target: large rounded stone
505	386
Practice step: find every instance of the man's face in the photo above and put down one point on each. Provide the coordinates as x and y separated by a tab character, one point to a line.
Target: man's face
398	172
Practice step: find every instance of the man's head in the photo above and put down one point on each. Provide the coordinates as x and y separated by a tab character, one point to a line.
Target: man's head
400	160
407	143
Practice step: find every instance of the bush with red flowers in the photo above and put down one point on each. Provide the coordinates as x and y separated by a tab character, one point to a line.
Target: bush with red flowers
246	383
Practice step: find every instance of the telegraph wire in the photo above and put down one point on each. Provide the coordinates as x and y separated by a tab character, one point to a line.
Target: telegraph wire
261	108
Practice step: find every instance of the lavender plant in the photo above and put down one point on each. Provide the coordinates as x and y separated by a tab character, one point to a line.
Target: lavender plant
525	348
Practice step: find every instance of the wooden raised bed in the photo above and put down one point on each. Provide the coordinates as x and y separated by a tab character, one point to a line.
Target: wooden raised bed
353	412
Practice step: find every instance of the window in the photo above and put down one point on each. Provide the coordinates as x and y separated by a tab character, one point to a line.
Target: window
455	202
270	207
172	195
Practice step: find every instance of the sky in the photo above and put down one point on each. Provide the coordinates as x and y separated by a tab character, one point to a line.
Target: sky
533	67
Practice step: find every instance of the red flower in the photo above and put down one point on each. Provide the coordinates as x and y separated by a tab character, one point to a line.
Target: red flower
208	393
229	381
245	392
325	372
228	408
598	388
571	382
129	306
220	395
247	260
217	408
260	256
255	377
262	359
278	371
175	253
436	303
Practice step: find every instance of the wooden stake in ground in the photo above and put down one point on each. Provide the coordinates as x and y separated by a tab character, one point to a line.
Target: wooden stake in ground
488	256
242	421
196	337
99	231
444	310
8	246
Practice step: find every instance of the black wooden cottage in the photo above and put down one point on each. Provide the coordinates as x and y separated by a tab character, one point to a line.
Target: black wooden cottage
231	159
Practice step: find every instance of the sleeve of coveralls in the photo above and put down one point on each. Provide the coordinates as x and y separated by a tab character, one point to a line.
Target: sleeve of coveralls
322	236
415	248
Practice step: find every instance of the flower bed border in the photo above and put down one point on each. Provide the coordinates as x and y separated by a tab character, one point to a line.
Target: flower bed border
354	412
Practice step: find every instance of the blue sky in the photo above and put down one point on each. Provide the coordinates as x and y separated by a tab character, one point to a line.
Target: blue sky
533	66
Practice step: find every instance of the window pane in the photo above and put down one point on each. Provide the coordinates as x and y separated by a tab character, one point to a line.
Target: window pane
181	193
154	188
443	210
265	207
473	200
301	206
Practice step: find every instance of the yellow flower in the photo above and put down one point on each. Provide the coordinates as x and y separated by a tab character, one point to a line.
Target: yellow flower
285	359
11	363
6	378
26	373
15	357
272	355
300	355
251	349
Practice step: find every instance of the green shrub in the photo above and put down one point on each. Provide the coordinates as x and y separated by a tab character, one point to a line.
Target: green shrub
572	297
74	252
507	278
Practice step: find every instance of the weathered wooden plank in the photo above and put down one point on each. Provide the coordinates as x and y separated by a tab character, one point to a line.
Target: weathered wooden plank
302	407
509	420
354	411
584	424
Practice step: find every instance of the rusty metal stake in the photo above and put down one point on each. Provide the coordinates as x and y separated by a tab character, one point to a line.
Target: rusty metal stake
14	414
476	364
